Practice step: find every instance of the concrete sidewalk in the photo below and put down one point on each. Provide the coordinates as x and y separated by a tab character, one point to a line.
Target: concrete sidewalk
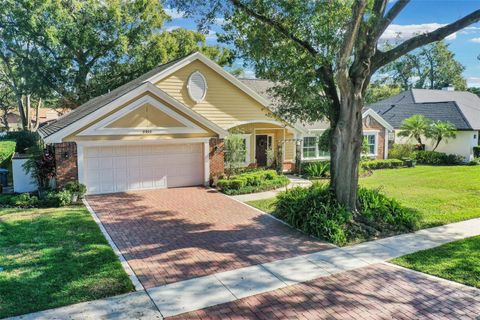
219	288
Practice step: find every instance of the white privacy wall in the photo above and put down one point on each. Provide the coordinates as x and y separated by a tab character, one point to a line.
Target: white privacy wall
462	145
22	181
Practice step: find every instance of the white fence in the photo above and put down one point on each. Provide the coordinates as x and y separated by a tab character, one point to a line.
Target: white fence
22	181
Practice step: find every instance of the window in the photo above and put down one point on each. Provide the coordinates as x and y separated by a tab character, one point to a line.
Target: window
311	149
244	150
197	86
371	142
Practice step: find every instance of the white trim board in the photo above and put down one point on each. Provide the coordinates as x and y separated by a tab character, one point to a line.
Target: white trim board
101	128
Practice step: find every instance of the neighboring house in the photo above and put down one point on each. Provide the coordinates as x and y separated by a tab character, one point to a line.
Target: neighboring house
167	129
462	109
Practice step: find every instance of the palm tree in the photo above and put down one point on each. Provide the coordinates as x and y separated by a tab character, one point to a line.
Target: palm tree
439	131
415	127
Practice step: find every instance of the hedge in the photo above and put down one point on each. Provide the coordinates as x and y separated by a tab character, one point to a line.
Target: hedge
438	158
381	164
252	182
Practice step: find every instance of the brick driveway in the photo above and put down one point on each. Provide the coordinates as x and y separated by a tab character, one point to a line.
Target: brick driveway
177	234
376	292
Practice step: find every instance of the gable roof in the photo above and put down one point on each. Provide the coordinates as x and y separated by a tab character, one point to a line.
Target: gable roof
261	86
458	107
151	77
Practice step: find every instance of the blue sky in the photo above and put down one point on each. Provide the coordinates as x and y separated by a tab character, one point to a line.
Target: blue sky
418	16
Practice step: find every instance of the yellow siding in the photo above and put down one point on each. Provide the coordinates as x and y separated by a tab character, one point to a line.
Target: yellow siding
224	104
146	116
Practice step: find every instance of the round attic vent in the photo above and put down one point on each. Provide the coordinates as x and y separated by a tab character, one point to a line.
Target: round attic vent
197	86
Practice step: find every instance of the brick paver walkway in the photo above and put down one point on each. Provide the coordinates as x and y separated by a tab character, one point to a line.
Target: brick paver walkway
379	291
177	234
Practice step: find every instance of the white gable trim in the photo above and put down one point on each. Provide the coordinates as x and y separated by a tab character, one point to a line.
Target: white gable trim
101	128
145	87
378	118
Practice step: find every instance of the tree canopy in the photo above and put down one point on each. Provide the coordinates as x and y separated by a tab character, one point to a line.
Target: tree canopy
74	50
430	67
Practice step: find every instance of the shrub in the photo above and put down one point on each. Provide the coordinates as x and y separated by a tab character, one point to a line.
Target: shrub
381	164
386	214
25	140
476	151
76	188
438	158
316	169
474	162
23	200
401	151
315	211
56	199
233	184
255	181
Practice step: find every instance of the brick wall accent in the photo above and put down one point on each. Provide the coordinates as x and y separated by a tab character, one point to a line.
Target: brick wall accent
216	156
288	166
65	162
370	123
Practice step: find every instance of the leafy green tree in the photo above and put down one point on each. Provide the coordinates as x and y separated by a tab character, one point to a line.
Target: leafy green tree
440	131
415	127
431	67
322	55
74	50
235	152
377	92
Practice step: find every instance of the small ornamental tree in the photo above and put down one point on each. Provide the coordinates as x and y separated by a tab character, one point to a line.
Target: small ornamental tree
439	131
235	153
415	128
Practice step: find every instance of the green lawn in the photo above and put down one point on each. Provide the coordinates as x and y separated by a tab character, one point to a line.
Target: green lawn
458	261
54	257
441	194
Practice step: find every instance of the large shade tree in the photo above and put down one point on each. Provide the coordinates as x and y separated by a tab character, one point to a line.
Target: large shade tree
322	55
74	50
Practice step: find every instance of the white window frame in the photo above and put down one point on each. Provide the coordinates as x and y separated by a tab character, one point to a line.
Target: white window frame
189	84
366	134
317	151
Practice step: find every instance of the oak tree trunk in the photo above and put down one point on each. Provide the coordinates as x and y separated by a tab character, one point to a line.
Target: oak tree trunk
345	150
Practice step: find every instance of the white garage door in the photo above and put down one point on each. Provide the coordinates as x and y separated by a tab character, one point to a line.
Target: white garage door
136	167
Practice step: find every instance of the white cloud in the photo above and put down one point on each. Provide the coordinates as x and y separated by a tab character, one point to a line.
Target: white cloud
174	13
470	30
397	32
476	40
473	81
171	28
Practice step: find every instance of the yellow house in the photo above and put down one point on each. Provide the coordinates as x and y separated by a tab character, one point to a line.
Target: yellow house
166	129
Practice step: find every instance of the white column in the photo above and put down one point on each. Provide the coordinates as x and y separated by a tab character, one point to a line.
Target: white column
206	158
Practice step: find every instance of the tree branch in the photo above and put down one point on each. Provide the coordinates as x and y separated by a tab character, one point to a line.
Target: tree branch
277	26
389	17
382	58
350	35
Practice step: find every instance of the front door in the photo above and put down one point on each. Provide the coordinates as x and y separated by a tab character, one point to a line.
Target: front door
261	144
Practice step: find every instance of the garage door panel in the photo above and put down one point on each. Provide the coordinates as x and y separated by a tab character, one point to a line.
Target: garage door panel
134	167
